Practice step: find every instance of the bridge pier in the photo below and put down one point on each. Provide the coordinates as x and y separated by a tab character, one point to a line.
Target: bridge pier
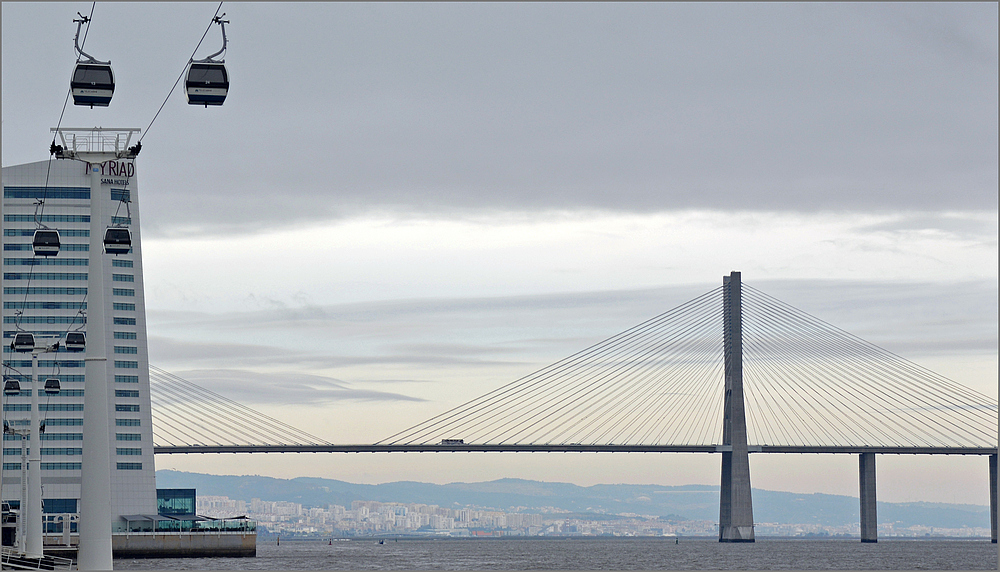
869	518
993	498
735	503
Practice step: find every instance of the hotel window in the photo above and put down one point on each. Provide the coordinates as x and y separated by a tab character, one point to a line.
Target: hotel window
44	276
58	506
45	290
45	305
63	422
68	393
61	436
31	232
46	363
45	262
61	451
46	192
60	407
45	218
62	247
59	466
42	319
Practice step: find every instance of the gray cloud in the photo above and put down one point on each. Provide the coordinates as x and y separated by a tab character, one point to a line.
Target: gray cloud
910	319
199	351
957	225
463	109
520	333
164	349
257	388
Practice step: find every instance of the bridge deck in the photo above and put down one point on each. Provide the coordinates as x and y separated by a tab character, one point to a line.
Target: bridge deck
569	448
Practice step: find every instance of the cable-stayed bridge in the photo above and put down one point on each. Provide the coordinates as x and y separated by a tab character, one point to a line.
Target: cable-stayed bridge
732	371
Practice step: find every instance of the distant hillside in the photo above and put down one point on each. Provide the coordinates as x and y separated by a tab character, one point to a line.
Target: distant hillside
695	502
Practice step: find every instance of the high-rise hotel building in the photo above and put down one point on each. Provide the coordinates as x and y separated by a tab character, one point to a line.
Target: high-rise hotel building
48	297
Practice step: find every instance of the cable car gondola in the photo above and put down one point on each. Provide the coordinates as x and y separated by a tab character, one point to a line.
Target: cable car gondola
11	387
22	342
207	80
76	341
207	83
117	240
93	82
52	386
45	242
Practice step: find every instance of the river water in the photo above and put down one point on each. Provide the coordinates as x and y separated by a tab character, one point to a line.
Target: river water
596	554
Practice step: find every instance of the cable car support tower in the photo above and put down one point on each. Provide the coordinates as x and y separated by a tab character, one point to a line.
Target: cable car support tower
96	146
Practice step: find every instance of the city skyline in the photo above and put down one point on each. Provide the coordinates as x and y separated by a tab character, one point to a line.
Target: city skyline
319	503
475	191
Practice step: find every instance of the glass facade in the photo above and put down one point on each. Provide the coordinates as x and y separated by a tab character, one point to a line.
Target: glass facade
176	502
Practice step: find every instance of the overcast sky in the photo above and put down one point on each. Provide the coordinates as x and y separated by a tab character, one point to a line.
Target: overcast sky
403	205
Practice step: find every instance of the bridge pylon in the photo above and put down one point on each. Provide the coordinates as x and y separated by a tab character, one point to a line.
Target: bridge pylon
735	504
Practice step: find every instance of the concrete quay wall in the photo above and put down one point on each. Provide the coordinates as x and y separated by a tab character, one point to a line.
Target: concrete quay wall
183	544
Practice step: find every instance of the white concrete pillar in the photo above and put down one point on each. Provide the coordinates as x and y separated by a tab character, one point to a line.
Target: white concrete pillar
31	505
95	478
